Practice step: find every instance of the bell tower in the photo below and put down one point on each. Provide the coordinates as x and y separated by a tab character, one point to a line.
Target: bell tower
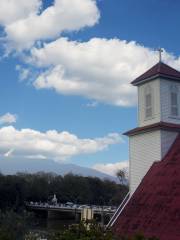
158	119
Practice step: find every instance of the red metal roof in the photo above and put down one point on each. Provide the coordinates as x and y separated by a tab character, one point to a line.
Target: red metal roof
154	208
156	126
158	70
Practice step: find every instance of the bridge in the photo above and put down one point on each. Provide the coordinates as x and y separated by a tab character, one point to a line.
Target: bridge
73	211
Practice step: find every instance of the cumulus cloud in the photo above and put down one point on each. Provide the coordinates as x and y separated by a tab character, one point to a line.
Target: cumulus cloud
55	145
63	15
13	10
99	69
8	118
112	168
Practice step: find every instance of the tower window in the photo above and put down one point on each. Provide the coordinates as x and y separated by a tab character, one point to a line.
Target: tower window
148	102
174	101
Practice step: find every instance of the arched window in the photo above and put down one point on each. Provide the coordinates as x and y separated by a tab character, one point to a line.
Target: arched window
148	102
174	101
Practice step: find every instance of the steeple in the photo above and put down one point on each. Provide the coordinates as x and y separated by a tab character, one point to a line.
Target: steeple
154	155
158	95
158	119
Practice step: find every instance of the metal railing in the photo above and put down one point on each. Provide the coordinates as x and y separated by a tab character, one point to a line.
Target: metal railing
118	211
47	206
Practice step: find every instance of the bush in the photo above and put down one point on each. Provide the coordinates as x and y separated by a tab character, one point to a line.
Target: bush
86	231
12	226
83	231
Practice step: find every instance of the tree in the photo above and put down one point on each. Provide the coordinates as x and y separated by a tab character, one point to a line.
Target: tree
12	226
121	175
86	231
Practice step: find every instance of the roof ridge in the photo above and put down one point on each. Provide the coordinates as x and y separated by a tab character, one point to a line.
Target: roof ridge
159	66
159	69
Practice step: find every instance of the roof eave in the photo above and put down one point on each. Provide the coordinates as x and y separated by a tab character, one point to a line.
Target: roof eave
153	127
141	81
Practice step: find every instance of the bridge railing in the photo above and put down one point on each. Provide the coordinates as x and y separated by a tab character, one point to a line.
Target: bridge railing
65	206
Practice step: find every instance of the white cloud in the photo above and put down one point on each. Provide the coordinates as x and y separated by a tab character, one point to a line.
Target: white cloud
38	156
24	73
64	15
111	168
8	118
51	144
99	69
13	10
93	104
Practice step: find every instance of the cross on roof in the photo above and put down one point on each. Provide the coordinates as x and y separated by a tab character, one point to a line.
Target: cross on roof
160	50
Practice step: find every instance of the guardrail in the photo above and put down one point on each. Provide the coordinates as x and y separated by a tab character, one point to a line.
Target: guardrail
47	206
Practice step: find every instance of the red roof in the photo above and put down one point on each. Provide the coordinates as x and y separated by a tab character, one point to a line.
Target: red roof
156	126
158	70
154	208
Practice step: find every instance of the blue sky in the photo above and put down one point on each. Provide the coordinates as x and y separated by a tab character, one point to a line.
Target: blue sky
71	72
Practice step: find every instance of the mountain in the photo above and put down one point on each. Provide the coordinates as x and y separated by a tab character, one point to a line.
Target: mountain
12	166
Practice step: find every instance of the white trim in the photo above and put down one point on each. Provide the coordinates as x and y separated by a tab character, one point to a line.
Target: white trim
174	88
119	210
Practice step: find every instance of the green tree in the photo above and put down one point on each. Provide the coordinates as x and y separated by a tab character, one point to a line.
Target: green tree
86	231
121	175
12	226
83	231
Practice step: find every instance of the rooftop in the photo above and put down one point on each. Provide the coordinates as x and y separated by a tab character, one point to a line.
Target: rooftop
154	208
159	70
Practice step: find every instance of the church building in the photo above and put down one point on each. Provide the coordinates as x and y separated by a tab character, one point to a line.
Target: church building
153	203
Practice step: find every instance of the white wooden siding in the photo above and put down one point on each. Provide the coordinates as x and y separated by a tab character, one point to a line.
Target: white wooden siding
155	86
167	139
144	150
165	101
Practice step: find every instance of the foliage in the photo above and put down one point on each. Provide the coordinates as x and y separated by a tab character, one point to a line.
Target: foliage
87	231
16	189
83	231
35	236
12	226
121	175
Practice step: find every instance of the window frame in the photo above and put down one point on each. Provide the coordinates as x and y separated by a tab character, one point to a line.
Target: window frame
148	106
174	90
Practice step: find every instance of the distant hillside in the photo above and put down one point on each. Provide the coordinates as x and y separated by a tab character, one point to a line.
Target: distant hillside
11	166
